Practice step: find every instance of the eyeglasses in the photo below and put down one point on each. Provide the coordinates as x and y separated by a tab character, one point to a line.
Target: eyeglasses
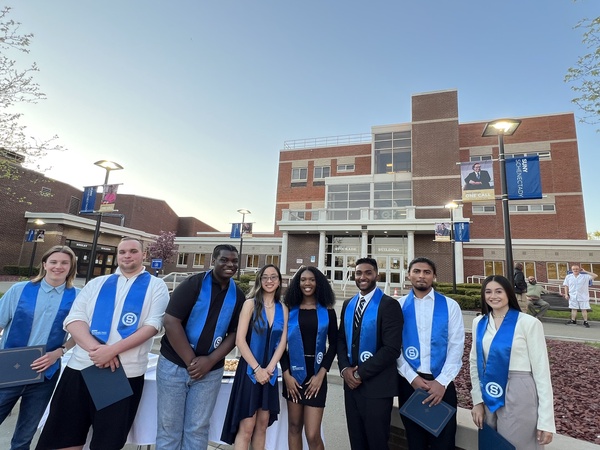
271	278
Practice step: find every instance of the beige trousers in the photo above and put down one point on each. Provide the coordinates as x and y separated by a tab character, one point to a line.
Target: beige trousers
517	419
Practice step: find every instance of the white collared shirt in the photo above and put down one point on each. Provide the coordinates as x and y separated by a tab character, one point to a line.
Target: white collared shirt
456	340
134	360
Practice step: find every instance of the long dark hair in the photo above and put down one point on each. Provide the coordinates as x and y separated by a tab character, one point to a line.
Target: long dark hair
323	292
258	295
508	288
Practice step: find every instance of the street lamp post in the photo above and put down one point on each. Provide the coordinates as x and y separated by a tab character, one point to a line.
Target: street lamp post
37	222
108	166
452	206
243	212
501	128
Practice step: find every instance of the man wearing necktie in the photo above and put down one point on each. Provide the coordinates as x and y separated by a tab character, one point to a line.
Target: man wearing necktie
432	348
369	341
478	179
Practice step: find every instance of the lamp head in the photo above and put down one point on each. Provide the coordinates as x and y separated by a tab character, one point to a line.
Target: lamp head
505	127
108	165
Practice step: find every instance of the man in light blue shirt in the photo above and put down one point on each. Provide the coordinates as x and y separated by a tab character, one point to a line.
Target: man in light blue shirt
37	309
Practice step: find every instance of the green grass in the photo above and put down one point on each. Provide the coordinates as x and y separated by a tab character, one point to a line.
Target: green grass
593	315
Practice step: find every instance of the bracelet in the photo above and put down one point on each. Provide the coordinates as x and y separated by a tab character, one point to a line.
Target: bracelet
256	368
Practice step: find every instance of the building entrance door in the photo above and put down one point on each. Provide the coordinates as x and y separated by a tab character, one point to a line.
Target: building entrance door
342	269
391	273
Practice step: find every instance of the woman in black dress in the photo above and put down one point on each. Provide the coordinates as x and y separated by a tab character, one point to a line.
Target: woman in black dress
312	324
261	339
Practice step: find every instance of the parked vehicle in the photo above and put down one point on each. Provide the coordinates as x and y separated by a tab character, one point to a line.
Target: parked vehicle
173	279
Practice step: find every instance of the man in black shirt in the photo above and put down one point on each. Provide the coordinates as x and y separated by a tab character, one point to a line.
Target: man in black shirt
200	323
520	286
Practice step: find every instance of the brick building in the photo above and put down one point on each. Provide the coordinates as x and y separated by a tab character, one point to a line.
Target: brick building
381	194
28	196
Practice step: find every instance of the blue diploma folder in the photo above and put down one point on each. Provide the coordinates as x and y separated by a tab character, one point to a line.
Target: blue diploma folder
16	366
431	418
490	439
105	386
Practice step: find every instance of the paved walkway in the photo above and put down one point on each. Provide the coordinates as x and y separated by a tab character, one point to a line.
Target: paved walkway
334	422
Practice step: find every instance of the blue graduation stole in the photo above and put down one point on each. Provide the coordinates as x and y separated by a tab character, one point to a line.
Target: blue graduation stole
411	347
130	314
367	345
258	341
197	320
22	322
493	375
296	346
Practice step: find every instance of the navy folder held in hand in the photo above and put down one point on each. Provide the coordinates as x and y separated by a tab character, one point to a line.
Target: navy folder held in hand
490	439
16	366
105	386
431	418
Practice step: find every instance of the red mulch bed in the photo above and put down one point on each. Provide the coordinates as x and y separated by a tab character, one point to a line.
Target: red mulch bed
575	373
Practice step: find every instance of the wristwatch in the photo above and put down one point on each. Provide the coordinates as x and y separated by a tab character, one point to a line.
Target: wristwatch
356	375
64	349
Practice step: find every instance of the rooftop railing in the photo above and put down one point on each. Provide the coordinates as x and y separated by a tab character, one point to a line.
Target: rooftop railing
328	141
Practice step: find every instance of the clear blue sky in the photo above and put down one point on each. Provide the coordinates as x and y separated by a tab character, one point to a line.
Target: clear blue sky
195	98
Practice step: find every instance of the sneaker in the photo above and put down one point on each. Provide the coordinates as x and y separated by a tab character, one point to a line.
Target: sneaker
571	322
585	324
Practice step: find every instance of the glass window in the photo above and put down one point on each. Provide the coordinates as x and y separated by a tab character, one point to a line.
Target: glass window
199	259
483	209
297	215
525	208
556	270
393	155
345	168
528	268
480	158
252	261
494	268
299	174
182	259
322	172
272	259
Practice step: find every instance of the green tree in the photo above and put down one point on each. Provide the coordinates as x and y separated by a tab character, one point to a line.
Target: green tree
17	86
585	76
594	235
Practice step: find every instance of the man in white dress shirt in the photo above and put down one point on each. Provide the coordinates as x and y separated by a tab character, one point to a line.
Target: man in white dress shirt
432	349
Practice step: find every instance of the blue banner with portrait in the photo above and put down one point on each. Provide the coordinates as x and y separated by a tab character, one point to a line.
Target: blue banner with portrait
89	199
461	232
523	180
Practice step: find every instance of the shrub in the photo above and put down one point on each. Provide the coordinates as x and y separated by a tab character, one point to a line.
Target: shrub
21	271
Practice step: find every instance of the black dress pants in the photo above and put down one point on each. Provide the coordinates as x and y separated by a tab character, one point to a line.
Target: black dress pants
416	436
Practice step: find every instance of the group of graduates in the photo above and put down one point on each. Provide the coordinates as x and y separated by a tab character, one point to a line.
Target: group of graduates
385	348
